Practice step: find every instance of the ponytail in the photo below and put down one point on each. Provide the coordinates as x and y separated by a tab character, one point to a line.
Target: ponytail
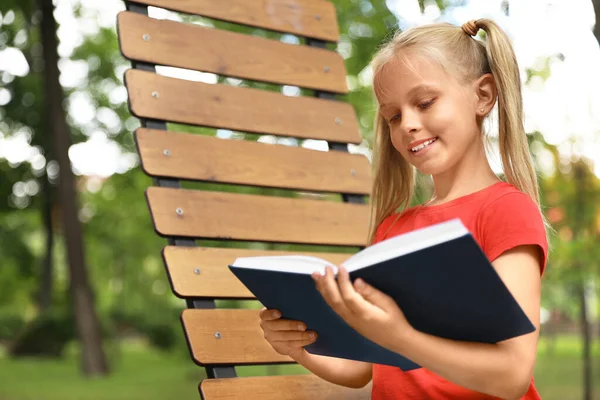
514	148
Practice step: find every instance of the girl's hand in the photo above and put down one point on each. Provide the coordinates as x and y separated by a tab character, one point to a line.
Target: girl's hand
369	311
286	336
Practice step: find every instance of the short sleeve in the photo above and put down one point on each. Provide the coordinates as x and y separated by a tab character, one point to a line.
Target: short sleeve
512	220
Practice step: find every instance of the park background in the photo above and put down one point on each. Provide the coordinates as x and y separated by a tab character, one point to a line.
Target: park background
142	342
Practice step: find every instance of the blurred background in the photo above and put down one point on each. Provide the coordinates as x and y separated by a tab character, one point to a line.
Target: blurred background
62	92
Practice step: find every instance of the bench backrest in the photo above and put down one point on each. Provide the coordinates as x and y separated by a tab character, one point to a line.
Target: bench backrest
285	194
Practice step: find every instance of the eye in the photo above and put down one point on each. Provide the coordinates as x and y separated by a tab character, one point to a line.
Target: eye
426	104
394	118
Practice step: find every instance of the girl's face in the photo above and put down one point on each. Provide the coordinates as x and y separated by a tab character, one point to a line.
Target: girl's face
431	116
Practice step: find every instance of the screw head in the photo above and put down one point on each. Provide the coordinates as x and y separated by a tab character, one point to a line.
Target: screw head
166	152
353	172
197	271
146	37
155	95
338	121
179	211
326	69
318	17
218	335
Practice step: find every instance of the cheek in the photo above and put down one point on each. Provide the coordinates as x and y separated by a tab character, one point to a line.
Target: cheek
453	123
443	121
397	142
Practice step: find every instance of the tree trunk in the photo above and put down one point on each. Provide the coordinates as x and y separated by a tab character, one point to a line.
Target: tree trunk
583	311
88	327
586	336
596	4
45	293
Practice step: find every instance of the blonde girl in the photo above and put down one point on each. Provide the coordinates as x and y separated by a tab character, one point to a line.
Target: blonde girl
434	86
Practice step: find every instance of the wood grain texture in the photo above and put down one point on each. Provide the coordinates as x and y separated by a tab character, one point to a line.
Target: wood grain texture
203	158
257	218
202	272
243	109
228	336
291	387
229	54
310	18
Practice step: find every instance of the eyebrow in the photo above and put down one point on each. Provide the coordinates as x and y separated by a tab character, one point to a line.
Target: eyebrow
423	87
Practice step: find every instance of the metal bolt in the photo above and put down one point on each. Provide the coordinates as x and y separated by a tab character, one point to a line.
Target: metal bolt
197	271
318	17
179	211
218	335
155	95
146	37
353	172
326	69
338	121
166	152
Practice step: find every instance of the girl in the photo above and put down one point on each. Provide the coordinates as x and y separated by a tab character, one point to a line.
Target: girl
434	86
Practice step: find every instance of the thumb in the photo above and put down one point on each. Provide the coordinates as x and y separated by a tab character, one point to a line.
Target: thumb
374	296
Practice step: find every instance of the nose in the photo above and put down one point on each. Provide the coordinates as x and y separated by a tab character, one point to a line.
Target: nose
410	124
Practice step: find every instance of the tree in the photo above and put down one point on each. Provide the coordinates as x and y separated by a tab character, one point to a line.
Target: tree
572	198
88	327
24	112
596	4
23	116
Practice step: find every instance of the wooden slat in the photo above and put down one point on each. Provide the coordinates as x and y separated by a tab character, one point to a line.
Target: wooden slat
310	18
197	157
257	218
291	387
244	109
202	272
229	54
228	336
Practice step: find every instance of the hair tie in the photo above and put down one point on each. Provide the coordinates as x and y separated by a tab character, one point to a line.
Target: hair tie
470	27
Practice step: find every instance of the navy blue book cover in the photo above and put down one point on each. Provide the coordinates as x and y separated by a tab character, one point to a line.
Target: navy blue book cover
448	290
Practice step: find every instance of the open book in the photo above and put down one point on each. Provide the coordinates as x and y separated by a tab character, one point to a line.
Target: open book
438	275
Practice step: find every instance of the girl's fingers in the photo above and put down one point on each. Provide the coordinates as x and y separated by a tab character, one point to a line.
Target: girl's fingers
291	336
345	285
331	292
283	325
269	314
300	343
352	299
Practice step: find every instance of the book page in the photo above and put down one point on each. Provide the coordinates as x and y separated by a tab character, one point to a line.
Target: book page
293	263
406	243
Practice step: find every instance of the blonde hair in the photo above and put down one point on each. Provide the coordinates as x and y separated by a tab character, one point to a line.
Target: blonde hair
394	178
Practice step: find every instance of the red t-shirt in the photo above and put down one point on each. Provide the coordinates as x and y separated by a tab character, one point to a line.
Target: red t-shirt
499	217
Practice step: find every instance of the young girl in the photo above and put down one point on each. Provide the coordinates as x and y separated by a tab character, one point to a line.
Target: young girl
434	86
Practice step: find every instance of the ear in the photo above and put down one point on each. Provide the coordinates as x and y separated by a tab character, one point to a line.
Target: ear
485	87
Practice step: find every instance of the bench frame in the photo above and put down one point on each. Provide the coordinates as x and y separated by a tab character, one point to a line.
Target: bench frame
221	371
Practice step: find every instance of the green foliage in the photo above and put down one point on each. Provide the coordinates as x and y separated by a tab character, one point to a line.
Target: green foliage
364	26
11	324
161	332
46	336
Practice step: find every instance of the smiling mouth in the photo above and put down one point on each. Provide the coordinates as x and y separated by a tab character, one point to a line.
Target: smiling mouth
420	147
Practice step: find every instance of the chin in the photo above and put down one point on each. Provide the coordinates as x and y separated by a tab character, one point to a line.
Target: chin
431	167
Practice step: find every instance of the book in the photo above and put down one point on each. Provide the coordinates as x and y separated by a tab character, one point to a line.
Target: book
438	275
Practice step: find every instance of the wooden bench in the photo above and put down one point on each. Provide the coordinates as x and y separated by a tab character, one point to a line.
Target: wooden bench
322	201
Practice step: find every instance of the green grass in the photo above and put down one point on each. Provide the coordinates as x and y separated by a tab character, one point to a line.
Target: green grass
142	373
559	373
138	373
